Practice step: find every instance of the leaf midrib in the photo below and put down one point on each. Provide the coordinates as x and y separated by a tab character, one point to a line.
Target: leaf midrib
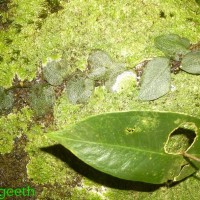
146	151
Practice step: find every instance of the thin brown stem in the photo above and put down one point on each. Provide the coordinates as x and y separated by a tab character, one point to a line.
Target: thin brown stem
191	156
28	85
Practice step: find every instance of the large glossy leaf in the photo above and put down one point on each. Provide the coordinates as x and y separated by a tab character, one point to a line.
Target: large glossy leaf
156	79
191	63
132	145
172	44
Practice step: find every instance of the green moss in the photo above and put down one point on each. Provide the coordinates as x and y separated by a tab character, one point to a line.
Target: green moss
61	192
183	190
120	194
12	126
48	170
125	30
84	194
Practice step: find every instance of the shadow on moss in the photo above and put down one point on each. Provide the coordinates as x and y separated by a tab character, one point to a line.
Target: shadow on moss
85	170
198	2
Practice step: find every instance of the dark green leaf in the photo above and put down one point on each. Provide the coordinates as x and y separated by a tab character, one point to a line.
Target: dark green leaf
156	79
191	62
172	45
132	145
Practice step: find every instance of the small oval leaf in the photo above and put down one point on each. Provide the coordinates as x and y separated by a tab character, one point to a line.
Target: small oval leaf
191	62
42	98
79	89
131	145
99	62
172	44
156	79
54	72
6	99
102	67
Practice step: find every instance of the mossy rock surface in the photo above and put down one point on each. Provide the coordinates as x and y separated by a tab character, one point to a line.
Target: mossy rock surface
31	33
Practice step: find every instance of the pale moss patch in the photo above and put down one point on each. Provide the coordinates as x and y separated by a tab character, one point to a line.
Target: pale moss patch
125	81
